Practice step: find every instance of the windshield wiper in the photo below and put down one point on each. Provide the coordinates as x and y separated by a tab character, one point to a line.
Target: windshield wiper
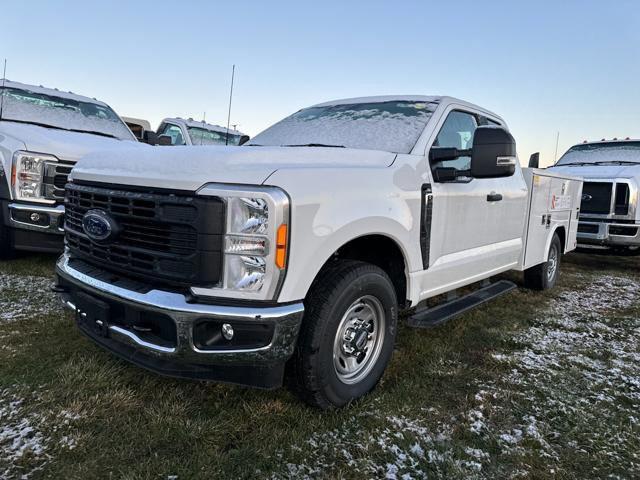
93	132
315	145
617	162
46	125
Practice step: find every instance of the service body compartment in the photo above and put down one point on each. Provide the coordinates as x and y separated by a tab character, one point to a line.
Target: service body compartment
554	203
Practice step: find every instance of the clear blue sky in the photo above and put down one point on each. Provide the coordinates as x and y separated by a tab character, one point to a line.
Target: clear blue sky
545	66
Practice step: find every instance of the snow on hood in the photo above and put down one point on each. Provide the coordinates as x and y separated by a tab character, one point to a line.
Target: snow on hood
64	145
600	171
188	168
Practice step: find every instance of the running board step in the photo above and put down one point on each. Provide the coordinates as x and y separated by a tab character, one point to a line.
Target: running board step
431	317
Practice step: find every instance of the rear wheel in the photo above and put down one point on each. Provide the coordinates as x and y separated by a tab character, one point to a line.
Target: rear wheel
545	275
347	336
6	241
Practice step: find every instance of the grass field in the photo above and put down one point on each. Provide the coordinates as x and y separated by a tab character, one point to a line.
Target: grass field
529	386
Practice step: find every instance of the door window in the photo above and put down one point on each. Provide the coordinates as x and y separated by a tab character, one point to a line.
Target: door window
457	132
174	132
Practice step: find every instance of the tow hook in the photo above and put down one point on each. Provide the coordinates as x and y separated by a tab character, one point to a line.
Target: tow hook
57	288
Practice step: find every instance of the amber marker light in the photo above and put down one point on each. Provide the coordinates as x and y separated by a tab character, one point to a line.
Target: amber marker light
281	246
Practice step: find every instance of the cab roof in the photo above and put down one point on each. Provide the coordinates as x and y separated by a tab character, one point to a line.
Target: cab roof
190	122
409	98
54	92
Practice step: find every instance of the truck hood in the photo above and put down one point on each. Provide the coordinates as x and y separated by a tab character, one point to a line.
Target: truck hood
189	168
600	171
64	145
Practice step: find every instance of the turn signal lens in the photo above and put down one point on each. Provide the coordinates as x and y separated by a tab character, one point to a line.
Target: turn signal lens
281	246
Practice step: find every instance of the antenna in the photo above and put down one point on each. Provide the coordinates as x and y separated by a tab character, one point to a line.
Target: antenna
233	73
555	157
4	79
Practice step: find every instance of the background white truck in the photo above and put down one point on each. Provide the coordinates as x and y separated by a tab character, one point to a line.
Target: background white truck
610	210
191	132
303	247
43	132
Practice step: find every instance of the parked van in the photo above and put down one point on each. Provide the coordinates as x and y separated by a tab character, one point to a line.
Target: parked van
610	209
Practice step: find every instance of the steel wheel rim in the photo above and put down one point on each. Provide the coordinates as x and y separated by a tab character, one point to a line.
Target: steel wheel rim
354	356
553	263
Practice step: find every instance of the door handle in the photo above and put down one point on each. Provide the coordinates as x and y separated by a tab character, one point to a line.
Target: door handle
494	197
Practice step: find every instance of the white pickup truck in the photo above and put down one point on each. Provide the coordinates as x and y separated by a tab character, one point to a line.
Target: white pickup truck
304	246
43	132
179	131
610	210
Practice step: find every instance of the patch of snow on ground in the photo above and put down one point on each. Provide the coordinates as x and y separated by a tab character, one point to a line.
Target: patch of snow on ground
581	360
24	296
20	436
25	447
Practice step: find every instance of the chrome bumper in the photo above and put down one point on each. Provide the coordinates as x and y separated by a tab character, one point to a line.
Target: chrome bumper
603	236
180	358
52	216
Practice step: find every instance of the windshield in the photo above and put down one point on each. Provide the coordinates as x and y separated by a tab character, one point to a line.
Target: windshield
389	126
598	153
59	112
200	136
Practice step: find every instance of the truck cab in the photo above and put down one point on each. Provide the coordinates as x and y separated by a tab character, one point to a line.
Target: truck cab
179	131
301	247
610	209
43	132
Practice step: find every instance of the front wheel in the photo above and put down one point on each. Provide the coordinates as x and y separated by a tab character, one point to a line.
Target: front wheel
347	336
545	275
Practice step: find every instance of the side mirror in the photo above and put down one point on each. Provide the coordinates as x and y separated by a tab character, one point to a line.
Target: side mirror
534	160
149	137
164	140
244	139
493	153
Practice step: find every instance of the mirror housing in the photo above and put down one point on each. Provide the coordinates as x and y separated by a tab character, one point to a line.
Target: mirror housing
534	160
244	139
164	140
493	153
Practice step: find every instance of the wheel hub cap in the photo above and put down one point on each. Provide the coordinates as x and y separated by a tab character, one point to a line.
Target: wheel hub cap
359	339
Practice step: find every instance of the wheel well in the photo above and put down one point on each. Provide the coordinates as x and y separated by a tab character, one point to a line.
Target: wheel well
382	252
563	238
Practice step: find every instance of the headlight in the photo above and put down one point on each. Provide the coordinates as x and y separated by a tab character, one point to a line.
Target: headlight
255	243
27	176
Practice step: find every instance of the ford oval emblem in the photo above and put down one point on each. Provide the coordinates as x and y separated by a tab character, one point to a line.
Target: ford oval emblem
586	197
98	225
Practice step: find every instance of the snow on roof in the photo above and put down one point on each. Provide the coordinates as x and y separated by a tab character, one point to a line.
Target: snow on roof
406	98
604	141
190	122
49	91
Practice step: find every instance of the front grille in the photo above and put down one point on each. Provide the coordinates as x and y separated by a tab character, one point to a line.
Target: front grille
55	178
623	231
588	228
622	199
596	198
163	238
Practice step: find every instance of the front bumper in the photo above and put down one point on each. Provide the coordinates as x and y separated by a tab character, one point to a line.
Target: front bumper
35	227
262	366
609	234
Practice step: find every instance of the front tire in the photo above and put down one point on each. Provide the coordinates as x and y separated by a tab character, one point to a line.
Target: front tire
545	275
348	333
7	251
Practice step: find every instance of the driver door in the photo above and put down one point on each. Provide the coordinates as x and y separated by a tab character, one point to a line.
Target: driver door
467	242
